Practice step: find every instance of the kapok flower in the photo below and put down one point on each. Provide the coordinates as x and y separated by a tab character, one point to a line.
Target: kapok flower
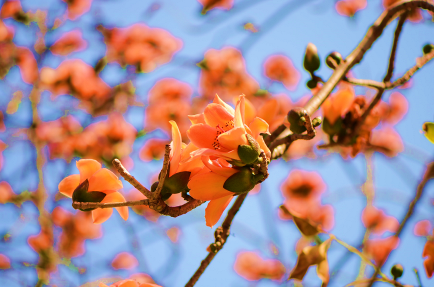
5	263
379	249
377	221
422	228
280	68
252	267
68	43
220	131
336	106
350	7
124	260
94	184
428	263
129	283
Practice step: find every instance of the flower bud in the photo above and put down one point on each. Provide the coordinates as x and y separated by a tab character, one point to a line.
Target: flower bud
311	59
295	119
316	122
397	271
203	65
240	182
427	48
249	153
333	60
312	84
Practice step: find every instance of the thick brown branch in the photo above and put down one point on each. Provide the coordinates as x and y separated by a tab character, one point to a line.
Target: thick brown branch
86	205
128	177
221	236
182	209
356	56
429	173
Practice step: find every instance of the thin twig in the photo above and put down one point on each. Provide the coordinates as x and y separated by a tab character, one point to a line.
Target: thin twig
356	56
429	173
128	177
275	134
86	205
163	173
221	235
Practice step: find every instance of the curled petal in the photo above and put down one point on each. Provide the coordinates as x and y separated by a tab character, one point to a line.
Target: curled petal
233	138
216	168
117	197
258	126
215	209
197	119
217	115
100	215
176	148
87	167
219	101
239	113
202	136
69	184
210	152
104	179
208	186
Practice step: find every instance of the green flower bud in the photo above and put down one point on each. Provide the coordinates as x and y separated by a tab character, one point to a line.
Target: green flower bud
295	119
312	84
427	48
397	271
311	59
81	194
203	65
316	122
241	182
333	60
249	153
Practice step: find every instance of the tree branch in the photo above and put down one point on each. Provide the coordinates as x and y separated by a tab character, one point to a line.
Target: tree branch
86	205
221	235
356	56
128	177
429	173
163	173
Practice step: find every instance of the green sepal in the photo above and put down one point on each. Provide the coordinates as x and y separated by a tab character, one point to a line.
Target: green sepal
177	182
332	129
240	182
81	194
428	129
249	153
294	118
203	65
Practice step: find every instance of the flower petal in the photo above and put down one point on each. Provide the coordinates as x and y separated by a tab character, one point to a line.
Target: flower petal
219	101
258	126
202	136
197	119
176	145
269	110
215	209
69	184
217	116
87	168
117	197
208	186
216	168
100	215
233	138
210	152
239	113
263	146
104	179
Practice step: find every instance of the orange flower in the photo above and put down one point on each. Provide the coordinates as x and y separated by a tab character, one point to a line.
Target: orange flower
142	210
153	150
378	222
76	8
5	263
124	260
280	68
96	179
387	141
220	130
27	63
338	104
69	42
422	228
379	249
6	192
350	7
252	267
428	263
10	9
397	108
302	186
212	4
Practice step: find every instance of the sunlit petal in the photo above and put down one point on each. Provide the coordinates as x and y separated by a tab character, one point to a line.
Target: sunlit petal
117	197
216	168
258	126
219	101
233	138
197	119
100	215
202	136
69	184
217	116
87	167
104	179
215	209
239	113
176	148
208	186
